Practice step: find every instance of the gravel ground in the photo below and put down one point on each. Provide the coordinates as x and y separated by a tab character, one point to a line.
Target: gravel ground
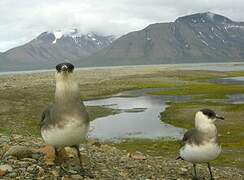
22	160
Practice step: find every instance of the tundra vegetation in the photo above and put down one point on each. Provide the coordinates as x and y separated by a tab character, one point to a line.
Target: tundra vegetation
23	98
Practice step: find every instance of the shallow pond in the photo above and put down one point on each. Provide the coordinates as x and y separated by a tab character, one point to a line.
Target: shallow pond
230	80
139	117
234	98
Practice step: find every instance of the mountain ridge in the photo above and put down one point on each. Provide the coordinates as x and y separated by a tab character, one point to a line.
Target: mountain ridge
50	48
194	38
200	37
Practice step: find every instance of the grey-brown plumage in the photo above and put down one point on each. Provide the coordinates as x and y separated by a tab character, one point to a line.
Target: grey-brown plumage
195	137
53	116
66	121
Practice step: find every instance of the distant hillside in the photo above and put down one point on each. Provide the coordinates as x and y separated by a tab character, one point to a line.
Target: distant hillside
50	48
201	37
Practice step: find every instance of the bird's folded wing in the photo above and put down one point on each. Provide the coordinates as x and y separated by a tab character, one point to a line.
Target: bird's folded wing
189	137
45	116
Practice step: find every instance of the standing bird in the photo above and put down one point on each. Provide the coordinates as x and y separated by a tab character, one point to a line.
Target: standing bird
200	145
66	121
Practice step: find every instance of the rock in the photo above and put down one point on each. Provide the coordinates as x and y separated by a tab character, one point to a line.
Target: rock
23	164
19	152
49	154
70	152
6	167
31	168
4	139
94	142
13	175
136	156
29	160
2	173
55	173
183	169
36	156
76	176
72	171
41	171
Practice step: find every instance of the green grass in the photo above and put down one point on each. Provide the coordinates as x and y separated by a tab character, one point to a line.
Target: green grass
209	90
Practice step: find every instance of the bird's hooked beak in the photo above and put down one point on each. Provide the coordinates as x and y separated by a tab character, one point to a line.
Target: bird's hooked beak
64	68
219	117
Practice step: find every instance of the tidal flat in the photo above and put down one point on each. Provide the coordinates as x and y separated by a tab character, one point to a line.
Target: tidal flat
23	97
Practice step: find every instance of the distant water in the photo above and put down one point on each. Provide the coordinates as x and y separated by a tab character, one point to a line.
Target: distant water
139	118
234	98
230	80
26	72
238	66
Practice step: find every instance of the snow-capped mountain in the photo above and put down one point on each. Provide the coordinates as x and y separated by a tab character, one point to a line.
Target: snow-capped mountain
201	37
90	42
50	48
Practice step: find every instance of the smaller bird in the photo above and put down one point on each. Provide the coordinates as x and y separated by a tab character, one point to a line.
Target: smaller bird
200	145
66	121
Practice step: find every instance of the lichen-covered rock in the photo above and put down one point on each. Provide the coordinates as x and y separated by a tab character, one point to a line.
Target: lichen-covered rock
19	152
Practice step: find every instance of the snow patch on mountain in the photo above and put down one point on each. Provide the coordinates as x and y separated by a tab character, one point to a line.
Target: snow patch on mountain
57	35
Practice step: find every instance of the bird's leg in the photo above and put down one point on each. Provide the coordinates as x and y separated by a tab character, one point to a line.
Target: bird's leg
79	155
56	154
194	172
210	171
59	161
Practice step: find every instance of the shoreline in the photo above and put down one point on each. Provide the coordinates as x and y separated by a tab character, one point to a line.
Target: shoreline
175	66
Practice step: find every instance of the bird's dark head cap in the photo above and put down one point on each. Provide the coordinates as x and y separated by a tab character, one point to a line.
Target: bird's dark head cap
65	67
211	114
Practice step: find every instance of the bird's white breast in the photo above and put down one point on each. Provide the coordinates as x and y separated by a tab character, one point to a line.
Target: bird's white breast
200	153
69	135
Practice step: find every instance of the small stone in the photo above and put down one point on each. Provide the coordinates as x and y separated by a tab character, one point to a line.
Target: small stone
2	173
6	167
13	174
70	152
136	156
49	154
36	156
55	173
76	176
183	169
94	142
29	160
19	152
41	171
23	164
4	139
72	171
31	168
65	178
